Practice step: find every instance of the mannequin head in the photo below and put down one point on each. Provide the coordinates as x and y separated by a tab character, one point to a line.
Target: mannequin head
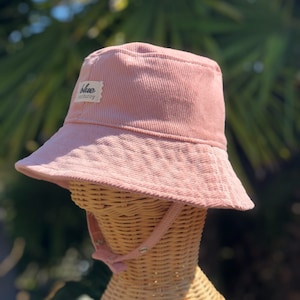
170	269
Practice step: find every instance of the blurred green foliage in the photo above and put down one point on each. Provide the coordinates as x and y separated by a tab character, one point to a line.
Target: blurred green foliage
257	43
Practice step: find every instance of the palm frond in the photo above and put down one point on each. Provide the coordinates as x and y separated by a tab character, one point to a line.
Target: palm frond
251	41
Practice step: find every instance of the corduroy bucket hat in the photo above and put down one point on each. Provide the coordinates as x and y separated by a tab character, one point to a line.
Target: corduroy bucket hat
145	119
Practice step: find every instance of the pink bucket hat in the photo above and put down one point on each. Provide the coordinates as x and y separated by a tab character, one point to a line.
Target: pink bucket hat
145	119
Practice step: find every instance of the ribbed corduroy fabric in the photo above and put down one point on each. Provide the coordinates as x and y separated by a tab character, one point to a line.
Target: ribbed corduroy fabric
145	119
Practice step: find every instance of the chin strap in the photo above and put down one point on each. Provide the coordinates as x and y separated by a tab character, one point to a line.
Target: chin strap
116	262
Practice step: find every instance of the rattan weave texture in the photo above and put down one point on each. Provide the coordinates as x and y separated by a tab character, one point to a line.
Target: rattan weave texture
169	271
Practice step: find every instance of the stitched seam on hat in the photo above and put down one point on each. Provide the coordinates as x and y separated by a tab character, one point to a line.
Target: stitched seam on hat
168	136
149	185
137	183
143	189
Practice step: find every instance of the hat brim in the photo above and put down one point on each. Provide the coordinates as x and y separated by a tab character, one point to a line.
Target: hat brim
195	174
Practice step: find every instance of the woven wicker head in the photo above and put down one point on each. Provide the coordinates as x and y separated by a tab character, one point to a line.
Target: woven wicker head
169	270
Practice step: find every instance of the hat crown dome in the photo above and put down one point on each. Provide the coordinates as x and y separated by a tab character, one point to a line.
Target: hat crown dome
154	90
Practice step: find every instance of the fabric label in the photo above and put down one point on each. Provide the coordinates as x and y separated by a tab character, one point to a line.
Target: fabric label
89	91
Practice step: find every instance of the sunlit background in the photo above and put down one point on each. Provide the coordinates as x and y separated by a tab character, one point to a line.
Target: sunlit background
44	247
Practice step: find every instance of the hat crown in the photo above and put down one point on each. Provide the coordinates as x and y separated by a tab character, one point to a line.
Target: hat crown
147	120
154	90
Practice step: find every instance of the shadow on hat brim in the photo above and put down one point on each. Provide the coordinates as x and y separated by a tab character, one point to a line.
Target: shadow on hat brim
195	174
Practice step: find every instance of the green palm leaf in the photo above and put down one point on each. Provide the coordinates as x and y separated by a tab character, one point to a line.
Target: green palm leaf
253	52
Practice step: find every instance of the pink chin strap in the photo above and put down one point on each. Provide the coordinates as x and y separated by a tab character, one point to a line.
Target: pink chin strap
117	262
